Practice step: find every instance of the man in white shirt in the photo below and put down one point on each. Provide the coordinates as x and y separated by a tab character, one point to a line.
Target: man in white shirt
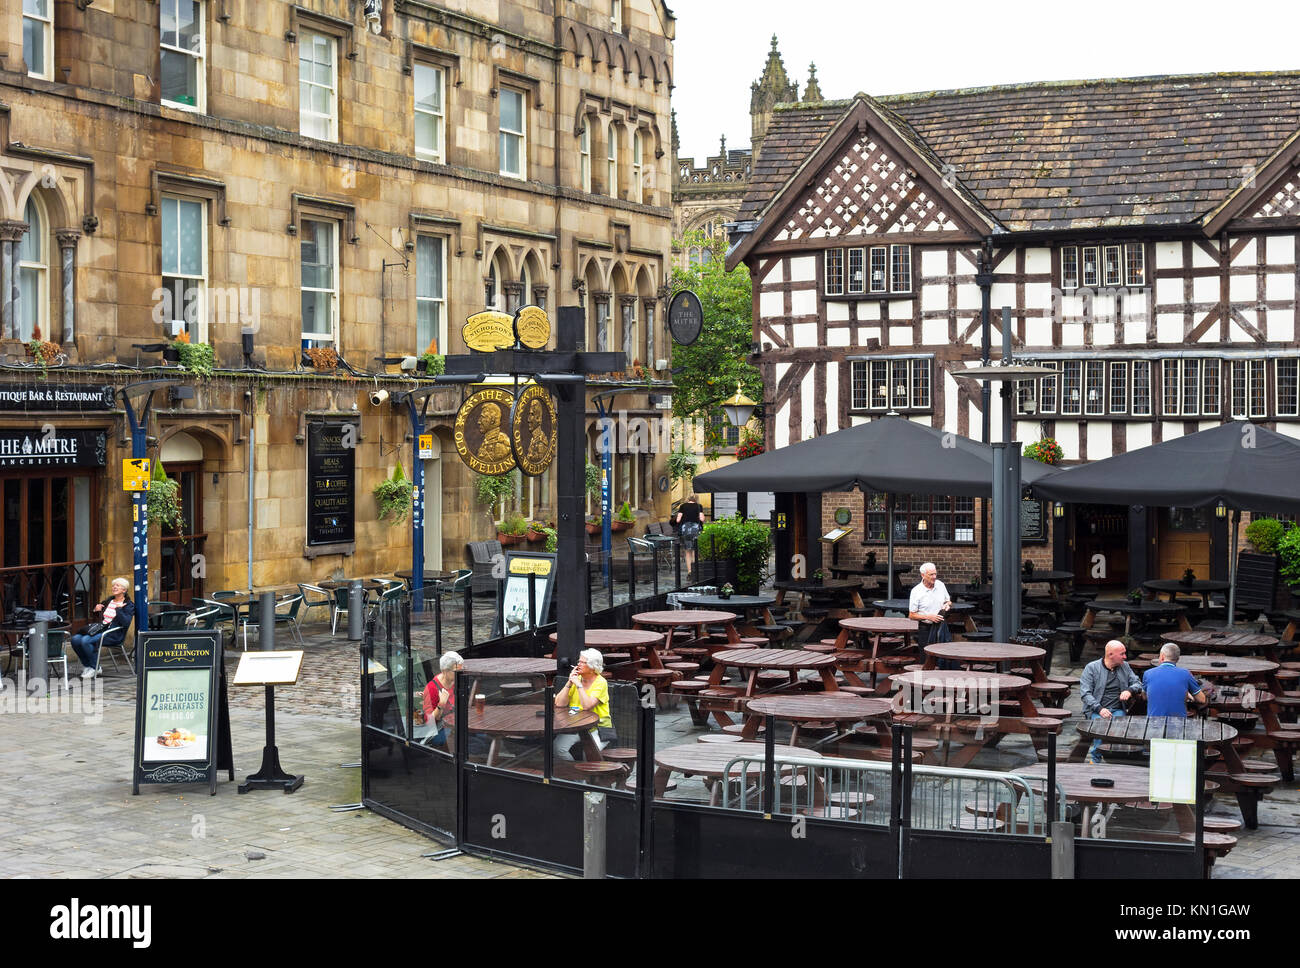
928	606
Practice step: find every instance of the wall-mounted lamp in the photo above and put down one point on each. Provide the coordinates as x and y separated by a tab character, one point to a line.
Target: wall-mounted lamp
1058	510
1220	510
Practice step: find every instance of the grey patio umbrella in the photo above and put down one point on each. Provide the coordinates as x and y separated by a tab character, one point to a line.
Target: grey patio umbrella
1243	466
889	454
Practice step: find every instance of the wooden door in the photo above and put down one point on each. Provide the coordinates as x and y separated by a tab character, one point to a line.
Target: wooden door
1184	542
181	548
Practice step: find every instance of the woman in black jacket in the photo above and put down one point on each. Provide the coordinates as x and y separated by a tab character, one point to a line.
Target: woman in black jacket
116	613
689	520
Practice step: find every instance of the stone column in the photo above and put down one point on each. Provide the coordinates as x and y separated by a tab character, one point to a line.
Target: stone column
67	239
539	296
628	306
648	314
514	294
11	231
602	321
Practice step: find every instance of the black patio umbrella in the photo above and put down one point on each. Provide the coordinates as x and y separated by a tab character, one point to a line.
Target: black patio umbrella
1243	466
890	454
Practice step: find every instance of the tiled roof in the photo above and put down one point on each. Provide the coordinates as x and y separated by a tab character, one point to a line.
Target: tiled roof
1078	154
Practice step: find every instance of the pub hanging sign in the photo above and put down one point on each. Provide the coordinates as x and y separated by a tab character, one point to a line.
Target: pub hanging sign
48	446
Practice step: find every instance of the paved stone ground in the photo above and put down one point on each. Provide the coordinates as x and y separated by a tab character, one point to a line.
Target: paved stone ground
69	811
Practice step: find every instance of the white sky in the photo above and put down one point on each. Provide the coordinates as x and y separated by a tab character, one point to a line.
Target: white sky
722	45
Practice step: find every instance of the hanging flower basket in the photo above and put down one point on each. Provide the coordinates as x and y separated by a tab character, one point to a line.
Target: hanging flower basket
320	357
1045	451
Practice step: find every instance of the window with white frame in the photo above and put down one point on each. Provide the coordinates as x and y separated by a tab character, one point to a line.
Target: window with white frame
1247	388
38	38
184	267
611	160
430	292
1094	376
183	83
1113	269
1071	391
616	16
1211	390
1070	267
834	267
1048	390
320	293
874	269
1135	270
1111	265
1141	388
584	157
34	274
1091	273
1287	376
513	143
1119	388
892	383
430	115
1190	387
636	194
318	86
1258	397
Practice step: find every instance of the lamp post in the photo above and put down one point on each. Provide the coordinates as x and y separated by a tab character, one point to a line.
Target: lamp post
1006	485
739	409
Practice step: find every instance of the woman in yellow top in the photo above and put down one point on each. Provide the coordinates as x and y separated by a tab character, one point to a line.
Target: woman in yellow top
586	689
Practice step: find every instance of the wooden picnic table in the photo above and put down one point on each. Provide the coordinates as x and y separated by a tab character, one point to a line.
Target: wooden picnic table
709	760
1232	667
994	653
837	707
616	640
498	722
1173	588
1288	634
1142	611
1053	579
755	661
743	605
1132	785
507	667
698	619
876	628
1225	641
968	706
851	587
904	605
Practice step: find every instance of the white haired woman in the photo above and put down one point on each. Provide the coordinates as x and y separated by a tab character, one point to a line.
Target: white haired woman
115	616
440	697
585	690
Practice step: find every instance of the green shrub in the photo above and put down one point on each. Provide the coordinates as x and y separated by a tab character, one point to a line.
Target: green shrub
493	490
198	358
394	496
552	540
435	364
625	514
164	500
1288	553
1264	533
593	480
514	524
747	542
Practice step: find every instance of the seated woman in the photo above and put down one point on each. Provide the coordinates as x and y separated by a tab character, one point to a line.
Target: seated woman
586	689
440	699
116	614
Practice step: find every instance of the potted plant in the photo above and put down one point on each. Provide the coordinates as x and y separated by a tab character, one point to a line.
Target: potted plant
164	497
1135	596
818	576
624	519
393	496
42	350
431	364
494	492
320	357
734	550
1264	534
1045	451
198	358
1028	569
751	445
682	464
511	530
552	540
1188	579
593	524
536	532
726	591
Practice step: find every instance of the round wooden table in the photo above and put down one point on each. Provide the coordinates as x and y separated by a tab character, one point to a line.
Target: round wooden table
994	653
501	721
1142	611
711	759
755	661
1225	641
1139	730
1228	667
695	618
507	667
735	601
1132	784
834	707
950	684
1173	588
616	640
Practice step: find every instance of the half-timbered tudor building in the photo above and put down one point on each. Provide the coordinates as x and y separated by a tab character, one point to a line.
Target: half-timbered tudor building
1145	234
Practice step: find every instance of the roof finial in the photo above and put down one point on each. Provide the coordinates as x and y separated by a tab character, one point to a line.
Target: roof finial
812	92
723	149
774	43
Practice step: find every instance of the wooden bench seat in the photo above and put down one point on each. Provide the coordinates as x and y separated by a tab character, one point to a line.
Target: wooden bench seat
1221	825
720	738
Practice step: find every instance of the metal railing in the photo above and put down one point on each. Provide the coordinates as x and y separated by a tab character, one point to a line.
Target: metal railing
941	798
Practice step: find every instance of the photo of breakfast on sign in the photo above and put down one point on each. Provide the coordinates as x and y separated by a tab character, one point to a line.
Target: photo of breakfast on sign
176	738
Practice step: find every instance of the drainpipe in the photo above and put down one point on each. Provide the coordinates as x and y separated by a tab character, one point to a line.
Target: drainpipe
984	279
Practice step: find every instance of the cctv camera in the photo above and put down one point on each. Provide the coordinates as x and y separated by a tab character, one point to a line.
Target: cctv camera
377	397
408	364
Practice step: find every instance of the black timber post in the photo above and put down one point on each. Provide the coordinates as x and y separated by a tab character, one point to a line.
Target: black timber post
571	461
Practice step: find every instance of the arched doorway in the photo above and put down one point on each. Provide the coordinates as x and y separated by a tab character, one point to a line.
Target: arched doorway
181	571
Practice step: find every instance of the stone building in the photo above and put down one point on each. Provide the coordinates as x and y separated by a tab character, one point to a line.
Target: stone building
1143	234
275	180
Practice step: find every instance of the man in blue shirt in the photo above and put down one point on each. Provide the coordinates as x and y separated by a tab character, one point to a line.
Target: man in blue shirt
1168	687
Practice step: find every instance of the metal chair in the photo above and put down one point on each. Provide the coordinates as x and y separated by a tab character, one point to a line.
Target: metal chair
225	613
103	647
172	620
313	596
289	619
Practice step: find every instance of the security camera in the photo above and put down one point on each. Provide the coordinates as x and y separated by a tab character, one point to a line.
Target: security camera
408	364
377	397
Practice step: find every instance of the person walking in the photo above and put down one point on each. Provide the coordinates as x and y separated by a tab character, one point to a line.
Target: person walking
689	520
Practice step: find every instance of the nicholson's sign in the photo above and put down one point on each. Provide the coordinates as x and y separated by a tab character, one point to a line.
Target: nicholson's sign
56	396
50	447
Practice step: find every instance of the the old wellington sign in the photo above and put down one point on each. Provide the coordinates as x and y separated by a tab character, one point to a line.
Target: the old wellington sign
482	437
533	430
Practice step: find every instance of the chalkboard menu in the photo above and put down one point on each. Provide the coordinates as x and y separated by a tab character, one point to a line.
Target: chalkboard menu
182	723
1033	520
331	483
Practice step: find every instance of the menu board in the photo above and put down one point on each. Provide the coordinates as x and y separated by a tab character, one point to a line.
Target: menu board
1033	520
182	727
514	605
331	483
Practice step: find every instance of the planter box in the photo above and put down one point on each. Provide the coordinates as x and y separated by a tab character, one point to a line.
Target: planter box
719	571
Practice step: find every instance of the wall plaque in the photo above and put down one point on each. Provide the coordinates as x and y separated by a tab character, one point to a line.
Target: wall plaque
331	484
